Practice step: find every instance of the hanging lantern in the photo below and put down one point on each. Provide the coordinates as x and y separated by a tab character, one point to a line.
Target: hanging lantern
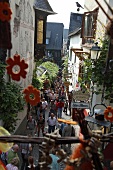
32	95
16	62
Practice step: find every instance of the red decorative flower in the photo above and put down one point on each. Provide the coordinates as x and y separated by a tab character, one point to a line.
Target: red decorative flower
30	90
108	111
5	11
16	62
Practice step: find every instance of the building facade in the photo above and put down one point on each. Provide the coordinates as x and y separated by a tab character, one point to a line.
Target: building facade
97	31
26	14
54	42
75	42
22	32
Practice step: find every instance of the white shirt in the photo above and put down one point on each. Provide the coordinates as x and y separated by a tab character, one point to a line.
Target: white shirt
44	104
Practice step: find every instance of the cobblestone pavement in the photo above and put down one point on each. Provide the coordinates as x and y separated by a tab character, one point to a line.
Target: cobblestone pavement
22	131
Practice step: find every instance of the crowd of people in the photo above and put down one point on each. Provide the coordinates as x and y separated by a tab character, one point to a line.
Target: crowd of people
54	101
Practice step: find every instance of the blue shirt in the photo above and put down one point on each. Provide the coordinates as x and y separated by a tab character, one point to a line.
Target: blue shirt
54	165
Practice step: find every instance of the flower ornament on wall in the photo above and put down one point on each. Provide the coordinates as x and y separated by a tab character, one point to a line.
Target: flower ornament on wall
19	63
5	11
32	95
108	113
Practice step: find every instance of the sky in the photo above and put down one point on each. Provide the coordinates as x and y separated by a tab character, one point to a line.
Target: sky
63	8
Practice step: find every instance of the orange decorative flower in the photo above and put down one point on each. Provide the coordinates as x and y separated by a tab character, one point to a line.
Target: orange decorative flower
5	11
30	90
108	111
16	62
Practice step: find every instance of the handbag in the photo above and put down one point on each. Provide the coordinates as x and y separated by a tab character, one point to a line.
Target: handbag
73	131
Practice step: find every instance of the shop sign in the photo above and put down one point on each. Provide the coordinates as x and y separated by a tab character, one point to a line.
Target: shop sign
80	96
80	105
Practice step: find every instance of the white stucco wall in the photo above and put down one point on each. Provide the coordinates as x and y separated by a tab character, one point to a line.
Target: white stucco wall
75	42
22	31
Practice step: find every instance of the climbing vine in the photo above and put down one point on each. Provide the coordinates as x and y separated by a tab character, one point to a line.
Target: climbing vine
11	101
95	73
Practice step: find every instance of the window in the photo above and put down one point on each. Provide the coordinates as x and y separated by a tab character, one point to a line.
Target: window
40	32
89	23
47	40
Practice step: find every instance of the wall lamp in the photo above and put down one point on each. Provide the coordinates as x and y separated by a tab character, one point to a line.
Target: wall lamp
95	51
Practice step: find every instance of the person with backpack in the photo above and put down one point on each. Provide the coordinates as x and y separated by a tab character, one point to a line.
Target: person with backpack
31	125
40	125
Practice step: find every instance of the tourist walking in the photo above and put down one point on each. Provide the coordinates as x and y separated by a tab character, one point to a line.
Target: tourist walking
44	107
26	150
40	125
54	165
53	108
60	105
52	123
39	109
31	125
67	132
12	153
65	107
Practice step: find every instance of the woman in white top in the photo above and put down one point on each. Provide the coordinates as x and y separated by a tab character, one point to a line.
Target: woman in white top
13	165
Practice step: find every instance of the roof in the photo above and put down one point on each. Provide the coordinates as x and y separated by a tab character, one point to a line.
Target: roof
75	23
65	33
56	37
75	32
43	5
